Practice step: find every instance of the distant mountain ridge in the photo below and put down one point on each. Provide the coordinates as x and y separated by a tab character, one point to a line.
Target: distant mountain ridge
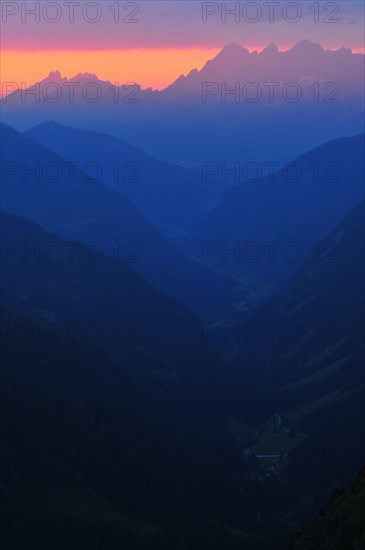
305	61
234	58
228	127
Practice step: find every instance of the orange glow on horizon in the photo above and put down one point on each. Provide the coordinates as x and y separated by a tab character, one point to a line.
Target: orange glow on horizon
149	68
155	68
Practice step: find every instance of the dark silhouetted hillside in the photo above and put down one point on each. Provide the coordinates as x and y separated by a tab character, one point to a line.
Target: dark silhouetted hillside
340	524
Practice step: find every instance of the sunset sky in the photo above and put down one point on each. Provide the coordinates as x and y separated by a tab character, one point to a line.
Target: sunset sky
153	42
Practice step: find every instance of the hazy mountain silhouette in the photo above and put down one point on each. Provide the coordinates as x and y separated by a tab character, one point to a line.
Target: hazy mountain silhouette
306	61
64	201
172	198
330	100
265	228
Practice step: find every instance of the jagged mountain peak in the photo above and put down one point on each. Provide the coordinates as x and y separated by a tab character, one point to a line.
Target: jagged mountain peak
232	53
306	46
271	49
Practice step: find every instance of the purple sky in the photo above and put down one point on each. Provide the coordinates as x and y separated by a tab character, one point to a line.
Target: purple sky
179	24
